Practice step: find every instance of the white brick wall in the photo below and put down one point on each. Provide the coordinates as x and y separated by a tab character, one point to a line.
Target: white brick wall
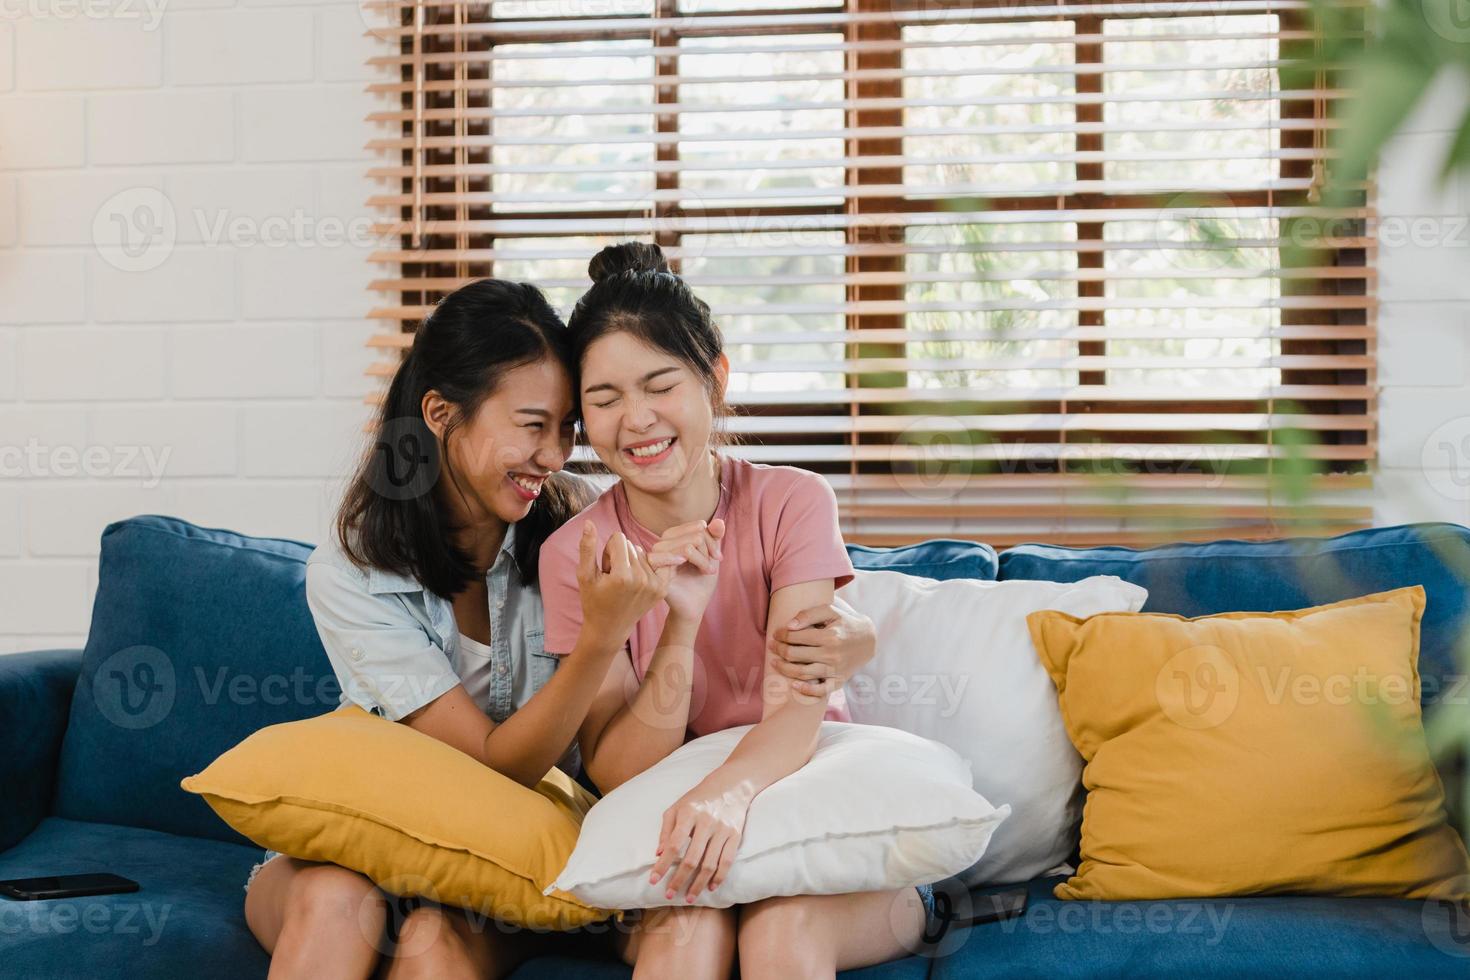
80	54
54	128
238	47
213	372
1424	263
233	359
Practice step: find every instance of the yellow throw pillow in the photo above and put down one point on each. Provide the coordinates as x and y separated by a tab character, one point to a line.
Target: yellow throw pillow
412	813
1252	753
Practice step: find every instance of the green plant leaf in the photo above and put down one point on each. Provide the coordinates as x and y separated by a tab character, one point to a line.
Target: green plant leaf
1390	86
1459	153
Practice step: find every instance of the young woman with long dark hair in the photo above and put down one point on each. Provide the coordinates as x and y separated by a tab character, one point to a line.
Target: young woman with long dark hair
427	599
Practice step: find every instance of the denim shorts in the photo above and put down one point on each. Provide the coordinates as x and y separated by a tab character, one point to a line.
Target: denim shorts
926	895
256	869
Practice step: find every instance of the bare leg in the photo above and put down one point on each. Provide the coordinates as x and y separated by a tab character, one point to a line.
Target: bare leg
316	920
437	941
681	942
813	936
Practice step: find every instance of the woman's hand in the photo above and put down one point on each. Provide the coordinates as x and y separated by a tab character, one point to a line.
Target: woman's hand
698	545
621	585
822	648
705	825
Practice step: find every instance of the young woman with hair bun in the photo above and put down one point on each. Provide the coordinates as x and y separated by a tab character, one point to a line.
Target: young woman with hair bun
763	556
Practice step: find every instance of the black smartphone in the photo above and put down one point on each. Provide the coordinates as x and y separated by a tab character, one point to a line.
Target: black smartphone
995	907
976	910
66	886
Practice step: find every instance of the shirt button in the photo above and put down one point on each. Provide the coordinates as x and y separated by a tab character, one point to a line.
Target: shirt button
502	668
356	653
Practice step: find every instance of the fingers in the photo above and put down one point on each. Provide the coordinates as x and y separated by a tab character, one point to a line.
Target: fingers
717	532
587	552
630	552
725	862
802	671
693	860
812	638
694	549
709	533
663	575
656	571
814	616
821	649
666	828
700	559
617	552
671	541
671	840
819	690
708	868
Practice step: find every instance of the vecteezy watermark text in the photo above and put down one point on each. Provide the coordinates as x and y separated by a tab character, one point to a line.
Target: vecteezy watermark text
148	12
36	459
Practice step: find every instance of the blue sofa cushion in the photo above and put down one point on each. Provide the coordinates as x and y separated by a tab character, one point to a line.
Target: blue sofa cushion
184	921
198	638
1289	573
1287	937
940	558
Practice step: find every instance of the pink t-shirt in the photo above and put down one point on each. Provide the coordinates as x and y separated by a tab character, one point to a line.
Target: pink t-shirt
780	529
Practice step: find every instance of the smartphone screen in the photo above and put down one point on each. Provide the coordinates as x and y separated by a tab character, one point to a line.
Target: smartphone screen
67	886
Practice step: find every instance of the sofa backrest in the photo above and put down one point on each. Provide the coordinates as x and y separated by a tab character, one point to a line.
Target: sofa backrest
937	558
199	637
1290	573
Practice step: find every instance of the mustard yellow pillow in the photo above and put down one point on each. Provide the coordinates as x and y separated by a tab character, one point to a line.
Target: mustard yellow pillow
1252	753
412	813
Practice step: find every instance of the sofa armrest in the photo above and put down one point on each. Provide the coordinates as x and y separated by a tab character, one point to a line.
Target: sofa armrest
35	701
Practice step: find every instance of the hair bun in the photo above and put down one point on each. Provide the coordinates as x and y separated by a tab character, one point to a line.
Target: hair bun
627	257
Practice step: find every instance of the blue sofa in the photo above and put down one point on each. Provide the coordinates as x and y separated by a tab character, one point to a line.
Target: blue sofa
200	636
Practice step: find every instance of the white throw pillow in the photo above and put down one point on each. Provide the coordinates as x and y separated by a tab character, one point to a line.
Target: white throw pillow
955	664
874	808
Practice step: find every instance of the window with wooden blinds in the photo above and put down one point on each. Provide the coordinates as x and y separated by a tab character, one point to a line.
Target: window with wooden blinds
1007	271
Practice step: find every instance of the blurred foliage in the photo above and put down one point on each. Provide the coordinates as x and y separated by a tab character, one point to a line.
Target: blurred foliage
1387	56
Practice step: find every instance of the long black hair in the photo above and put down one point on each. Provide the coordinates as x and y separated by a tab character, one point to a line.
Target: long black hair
391	516
634	291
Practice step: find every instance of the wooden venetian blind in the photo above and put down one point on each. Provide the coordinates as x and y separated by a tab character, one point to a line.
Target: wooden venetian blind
999	270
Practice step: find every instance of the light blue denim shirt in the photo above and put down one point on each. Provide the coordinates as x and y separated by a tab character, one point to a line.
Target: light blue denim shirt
395	646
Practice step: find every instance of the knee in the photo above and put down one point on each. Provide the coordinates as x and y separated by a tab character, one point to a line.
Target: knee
676	942
329	893
777	931
429	946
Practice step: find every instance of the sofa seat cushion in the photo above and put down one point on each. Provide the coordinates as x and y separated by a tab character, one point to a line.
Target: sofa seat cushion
1296	937
186	920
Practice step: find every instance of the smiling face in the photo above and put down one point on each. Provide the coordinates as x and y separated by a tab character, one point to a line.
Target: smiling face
500	458
648	414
